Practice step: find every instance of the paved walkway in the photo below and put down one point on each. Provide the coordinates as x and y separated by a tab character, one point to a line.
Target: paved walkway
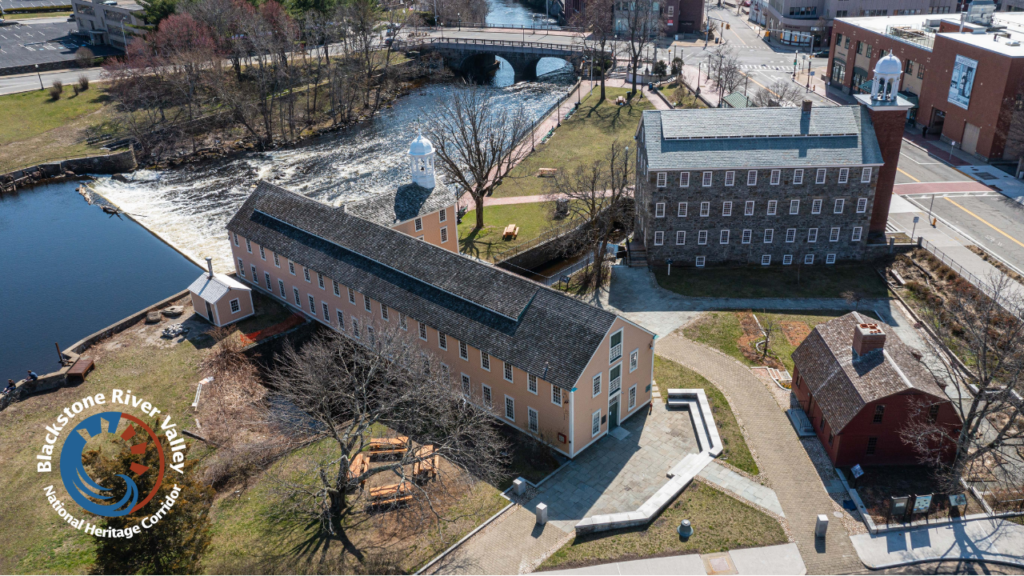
779	454
782	559
742	487
989	540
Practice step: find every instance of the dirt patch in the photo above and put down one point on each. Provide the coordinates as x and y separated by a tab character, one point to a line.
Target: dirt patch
880	483
795	332
748	342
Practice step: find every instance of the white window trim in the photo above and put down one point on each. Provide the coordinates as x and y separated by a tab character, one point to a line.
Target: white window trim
340	315
776	178
485	356
553	390
305	274
662	180
599	380
730	178
505	412
659	210
291	267
798	176
723	237
727	208
611	349
794	207
444	235
633	366
263	254
860	209
773	207
236	238
812	235
830	259
769	235
809	259
337	288
659	238
787	259
241	268
367	304
632	397
840	205
746	236
298	300
707	178
418	224
844	175
680	237
700	261
595	417
865	174
320	281
705	209
766	259
509	370
530	412
442	340
858	231
816	206
833	235
684	179
277	260
312	305
248	246
681	210
531	384
702	237
463	351
487	396
790	235
351	295
280	285
820	176
748	208
423	334
751	177
235	306
465	382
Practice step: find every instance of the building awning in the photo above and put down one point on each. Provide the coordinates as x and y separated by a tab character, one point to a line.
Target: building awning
912	98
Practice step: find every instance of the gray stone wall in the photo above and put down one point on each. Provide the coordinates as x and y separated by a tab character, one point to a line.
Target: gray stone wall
735	251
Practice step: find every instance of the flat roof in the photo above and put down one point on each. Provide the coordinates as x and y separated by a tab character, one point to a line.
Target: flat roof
1007	28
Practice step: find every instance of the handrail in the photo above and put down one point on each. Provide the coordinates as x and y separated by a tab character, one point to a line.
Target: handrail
978	283
403	45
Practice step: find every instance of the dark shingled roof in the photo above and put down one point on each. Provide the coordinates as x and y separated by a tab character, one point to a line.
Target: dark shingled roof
408	202
505	315
842	382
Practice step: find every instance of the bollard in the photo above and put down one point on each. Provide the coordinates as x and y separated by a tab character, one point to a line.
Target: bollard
685	530
542	514
519	486
821	526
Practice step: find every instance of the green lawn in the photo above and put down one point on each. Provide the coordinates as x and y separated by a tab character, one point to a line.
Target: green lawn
584	137
720	523
668	374
774	281
533	219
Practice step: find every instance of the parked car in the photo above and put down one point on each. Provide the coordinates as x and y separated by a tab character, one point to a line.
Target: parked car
822	54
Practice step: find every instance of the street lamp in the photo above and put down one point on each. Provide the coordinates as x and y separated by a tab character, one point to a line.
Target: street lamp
40	77
459	14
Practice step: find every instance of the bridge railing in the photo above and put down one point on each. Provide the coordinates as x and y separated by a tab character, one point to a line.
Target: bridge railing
535	26
412	44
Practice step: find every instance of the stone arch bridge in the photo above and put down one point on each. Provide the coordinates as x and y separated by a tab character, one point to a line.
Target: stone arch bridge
468	54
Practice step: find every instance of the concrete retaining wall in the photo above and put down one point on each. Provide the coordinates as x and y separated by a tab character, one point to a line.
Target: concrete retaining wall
106	164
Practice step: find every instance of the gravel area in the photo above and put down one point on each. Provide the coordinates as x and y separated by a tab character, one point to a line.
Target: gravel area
830	478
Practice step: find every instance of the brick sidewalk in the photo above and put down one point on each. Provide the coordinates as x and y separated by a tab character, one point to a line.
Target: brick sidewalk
779	454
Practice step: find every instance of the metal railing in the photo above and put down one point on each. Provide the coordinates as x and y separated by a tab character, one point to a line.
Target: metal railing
912	36
982	285
406	45
545	27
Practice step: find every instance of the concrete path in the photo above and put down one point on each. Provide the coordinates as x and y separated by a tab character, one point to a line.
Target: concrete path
742	487
989	540
782	559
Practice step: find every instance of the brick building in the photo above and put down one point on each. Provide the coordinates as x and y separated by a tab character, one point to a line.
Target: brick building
860	384
676	16
965	86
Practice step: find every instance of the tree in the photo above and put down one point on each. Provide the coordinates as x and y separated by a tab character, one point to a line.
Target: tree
777	94
643	22
186	46
175	544
769	329
155	11
477	145
384	384
724	69
987	326
598	43
677	67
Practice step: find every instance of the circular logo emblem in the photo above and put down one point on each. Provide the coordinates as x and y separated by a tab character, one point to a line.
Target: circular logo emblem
77	481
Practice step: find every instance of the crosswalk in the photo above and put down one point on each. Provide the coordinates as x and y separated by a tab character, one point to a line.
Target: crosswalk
782	68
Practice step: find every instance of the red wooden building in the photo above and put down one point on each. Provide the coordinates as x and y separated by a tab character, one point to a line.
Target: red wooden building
859	384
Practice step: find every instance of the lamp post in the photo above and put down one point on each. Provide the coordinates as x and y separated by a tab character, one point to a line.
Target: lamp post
40	77
459	14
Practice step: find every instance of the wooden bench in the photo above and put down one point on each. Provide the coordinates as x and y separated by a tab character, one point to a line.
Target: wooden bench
426	468
511	231
359	465
80	368
390	495
547	172
388	446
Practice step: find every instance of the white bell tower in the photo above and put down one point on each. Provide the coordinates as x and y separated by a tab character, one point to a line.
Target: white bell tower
421	162
886	81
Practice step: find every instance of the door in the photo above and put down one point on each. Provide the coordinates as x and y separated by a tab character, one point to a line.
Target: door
613	414
970	143
938	119
209	313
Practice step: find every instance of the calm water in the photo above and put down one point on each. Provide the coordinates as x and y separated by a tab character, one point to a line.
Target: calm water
69	270
513	13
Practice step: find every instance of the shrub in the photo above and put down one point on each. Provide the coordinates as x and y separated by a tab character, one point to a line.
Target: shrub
56	90
74	88
83	83
84	58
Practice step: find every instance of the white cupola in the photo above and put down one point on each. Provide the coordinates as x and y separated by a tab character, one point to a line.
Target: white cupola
421	162
886	81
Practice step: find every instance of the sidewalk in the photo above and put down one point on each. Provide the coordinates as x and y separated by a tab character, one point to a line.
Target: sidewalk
782	559
989	540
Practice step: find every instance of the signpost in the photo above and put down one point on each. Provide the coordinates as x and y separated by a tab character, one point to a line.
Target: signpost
916	220
898	507
956	500
857	472
922	503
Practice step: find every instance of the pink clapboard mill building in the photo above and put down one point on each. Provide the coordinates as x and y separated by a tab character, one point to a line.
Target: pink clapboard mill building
543	362
220	298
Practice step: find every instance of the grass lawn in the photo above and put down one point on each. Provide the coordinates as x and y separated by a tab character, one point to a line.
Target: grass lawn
35	129
668	374
584	137
774	281
681	98
720	523
532	219
28	15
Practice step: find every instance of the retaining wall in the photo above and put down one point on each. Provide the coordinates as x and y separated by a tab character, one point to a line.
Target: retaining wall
114	163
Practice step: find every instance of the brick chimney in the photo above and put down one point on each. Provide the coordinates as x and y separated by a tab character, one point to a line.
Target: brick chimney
209	266
805	107
867	337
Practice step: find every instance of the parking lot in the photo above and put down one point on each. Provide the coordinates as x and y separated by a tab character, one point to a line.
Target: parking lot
11	4
25	45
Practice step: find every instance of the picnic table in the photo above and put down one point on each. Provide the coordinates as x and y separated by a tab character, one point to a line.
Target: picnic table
359	465
384	446
426	468
511	231
80	368
547	172
391	494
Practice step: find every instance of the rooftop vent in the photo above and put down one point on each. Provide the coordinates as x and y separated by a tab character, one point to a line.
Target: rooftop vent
867	337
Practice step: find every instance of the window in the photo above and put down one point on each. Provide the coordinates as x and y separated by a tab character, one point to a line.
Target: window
816	206
831	437
443	215
463	351
248	246
337	289
748	208
236	238
532	419
705	209
798	176
776	177
234	306
263	254
556	395
702	237
485	360
615	379
727	208
305	274
844	175
595	423
444	235
700	261
856	234
812	235
510	408
794	207
769	234
442	340
341	318
266	278
423	331
872	445
730	178
790	235
933	413
295	293
745	239
830	259
597	385
865	174
355	328
488	400
255	276
684	179
809	259
615	347
291	267
467	387
681	210
839	206
403	321
820	177
751	177
280	286
787	259
659	238
418	223
706	179
879	413
366	303
312	305
327	312
723	237
634	360
680	237
384	313
834	234
320	280
772	206
766	259
277	261
508	371
662	179
632	396
862	205
659	210
351	296
241	268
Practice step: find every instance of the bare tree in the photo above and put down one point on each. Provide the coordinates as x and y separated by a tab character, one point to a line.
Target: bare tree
770	328
642	22
780	93
989	334
598	42
724	69
384	385
476	144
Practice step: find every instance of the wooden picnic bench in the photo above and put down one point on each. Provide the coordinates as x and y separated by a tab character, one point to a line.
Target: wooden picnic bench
359	465
511	231
547	172
386	446
80	368
427	468
390	495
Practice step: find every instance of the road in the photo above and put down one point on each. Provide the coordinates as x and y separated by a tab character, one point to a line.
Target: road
29	82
